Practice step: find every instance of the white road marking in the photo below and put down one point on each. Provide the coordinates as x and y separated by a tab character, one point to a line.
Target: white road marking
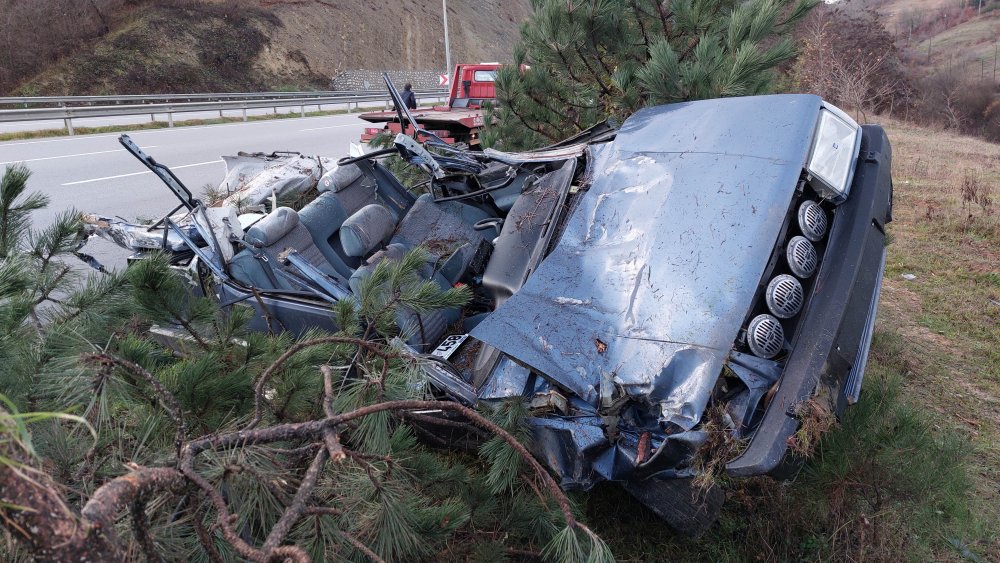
140	173
331	127
70	155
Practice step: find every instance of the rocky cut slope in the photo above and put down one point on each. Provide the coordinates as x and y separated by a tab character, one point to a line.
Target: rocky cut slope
233	45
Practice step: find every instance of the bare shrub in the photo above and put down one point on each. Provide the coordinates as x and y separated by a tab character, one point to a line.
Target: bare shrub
851	60
976	193
958	103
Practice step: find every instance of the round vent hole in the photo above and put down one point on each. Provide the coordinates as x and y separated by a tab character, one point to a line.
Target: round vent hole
802	257
784	296
812	221
765	336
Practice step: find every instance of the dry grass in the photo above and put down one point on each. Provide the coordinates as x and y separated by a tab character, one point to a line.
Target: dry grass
947	233
709	462
816	420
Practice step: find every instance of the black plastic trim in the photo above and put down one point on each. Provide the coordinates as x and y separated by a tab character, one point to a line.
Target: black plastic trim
831	328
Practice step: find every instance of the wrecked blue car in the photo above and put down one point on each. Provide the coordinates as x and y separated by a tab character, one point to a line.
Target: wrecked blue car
718	259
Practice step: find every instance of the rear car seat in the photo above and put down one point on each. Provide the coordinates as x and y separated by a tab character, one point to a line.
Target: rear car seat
278	231
363	235
445	230
323	218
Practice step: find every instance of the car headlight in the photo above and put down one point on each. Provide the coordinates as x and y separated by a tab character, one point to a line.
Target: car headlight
834	151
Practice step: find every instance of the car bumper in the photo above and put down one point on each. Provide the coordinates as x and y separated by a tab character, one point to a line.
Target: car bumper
829	356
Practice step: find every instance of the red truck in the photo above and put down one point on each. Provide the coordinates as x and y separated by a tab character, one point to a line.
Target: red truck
459	122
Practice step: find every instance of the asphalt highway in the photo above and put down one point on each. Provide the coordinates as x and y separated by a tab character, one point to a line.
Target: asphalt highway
93	173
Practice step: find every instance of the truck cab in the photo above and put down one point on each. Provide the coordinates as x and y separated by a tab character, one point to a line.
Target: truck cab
472	85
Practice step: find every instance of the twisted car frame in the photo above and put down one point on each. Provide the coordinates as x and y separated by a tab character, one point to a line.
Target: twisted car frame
721	256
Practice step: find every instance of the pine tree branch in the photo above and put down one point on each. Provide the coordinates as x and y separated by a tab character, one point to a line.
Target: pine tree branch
593	72
330	438
51	286
163	395
224	518
295	511
314	430
541	102
140	527
533	128
565	62
639	15
109	499
205	538
266	375
362	547
664	18
593	45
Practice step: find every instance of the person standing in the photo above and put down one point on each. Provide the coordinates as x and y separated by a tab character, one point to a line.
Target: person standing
409	98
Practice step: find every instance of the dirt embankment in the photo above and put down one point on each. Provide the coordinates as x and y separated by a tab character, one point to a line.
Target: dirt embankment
231	45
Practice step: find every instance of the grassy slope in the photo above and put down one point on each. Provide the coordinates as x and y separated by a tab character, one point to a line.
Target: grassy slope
960	47
914	472
964	46
163	48
951	311
236	45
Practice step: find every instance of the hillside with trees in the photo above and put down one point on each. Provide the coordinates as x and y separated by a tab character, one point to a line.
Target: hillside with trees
931	62
66	47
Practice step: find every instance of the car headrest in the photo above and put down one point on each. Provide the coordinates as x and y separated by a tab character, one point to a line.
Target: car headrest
364	231
339	178
271	228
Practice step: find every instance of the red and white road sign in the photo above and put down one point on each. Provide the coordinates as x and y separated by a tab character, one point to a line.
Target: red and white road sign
443	80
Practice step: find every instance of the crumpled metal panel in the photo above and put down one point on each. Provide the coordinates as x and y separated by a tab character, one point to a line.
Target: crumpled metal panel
135	236
648	287
251	178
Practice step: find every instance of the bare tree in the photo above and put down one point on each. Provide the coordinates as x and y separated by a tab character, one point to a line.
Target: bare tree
851	60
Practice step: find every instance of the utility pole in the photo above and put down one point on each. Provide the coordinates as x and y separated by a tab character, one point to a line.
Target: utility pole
447	46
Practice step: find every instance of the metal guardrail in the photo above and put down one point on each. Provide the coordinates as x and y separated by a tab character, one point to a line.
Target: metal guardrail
253	101
165	98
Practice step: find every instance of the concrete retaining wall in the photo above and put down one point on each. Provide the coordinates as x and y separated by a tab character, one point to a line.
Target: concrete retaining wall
352	80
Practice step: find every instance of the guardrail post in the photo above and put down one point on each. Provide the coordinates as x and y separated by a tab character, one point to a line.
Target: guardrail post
170	118
220	114
69	126
244	112
302	111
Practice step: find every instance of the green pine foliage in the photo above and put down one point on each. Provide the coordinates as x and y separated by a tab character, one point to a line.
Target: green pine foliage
581	62
394	496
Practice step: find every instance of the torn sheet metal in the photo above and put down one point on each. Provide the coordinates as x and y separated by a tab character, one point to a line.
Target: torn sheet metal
550	155
136	236
251	177
662	257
